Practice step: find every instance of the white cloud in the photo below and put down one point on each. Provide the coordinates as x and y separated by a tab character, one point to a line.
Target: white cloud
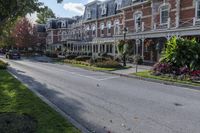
74	7
94	0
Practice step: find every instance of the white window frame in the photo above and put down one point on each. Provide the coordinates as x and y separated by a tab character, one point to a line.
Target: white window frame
109	27
103	9
87	30
161	10
88	14
63	24
64	34
197	8
102	28
117	25
136	14
119	4
93	30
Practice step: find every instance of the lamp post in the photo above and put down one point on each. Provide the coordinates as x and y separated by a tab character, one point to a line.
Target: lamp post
124	55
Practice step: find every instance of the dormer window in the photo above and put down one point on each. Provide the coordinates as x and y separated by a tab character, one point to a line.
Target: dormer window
89	14
103	9
48	25
118	4
63	24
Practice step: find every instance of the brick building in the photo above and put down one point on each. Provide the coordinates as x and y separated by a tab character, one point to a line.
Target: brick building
150	23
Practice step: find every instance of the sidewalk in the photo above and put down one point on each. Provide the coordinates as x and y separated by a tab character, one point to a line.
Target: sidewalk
132	69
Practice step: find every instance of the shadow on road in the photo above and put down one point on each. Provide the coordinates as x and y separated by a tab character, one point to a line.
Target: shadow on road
70	106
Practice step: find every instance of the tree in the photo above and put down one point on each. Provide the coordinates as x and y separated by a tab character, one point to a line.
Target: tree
6	40
24	34
182	52
10	10
44	14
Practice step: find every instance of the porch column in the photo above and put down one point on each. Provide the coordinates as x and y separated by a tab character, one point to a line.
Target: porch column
73	48
105	48
137	44
92	50
99	48
143	48
114	49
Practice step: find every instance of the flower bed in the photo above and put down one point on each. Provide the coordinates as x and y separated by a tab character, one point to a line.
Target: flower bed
180	60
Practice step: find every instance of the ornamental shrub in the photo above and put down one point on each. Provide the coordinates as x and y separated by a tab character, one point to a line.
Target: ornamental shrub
164	68
182	53
82	58
108	64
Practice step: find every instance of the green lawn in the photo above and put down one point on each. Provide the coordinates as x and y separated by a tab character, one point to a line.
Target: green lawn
16	99
147	74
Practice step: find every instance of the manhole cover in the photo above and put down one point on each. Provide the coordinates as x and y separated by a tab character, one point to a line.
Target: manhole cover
17	123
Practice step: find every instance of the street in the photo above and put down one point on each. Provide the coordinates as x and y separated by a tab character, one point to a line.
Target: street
103	102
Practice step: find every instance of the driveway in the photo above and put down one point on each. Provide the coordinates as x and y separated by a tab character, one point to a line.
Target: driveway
102	102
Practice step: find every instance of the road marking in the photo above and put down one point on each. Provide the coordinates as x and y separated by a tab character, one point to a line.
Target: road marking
72	72
114	77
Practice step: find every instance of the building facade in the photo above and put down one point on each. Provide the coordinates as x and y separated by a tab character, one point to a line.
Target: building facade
149	24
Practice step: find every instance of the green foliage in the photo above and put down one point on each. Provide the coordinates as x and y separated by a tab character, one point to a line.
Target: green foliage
76	62
169	78
44	14
182	52
138	59
10	10
82	58
15	97
125	47
108	64
71	57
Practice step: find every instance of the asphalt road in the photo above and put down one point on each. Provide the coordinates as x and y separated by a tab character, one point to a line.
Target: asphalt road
103	102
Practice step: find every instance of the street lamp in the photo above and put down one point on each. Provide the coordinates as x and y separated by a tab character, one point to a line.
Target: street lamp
124	55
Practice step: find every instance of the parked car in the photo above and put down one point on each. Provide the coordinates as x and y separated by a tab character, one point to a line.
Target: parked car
13	54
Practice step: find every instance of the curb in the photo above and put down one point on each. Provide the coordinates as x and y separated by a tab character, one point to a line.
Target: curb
52	105
154	80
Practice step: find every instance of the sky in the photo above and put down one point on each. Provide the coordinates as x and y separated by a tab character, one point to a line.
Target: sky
68	8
